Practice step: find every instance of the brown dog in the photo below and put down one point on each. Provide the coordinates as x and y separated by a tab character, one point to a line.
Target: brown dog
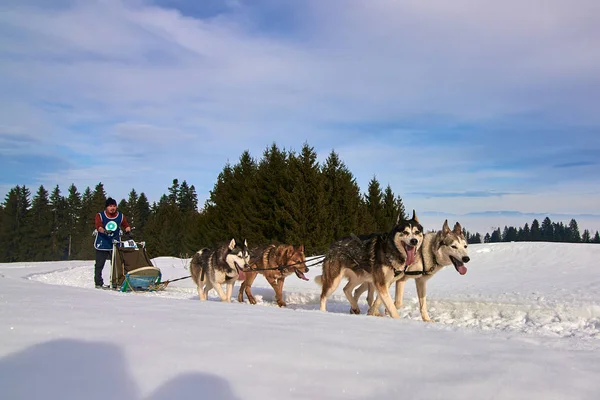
291	259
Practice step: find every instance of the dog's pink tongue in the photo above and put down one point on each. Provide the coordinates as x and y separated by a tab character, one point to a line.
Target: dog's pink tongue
410	255
300	275
241	274
461	269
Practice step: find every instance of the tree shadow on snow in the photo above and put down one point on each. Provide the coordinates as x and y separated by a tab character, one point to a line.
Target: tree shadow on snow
70	369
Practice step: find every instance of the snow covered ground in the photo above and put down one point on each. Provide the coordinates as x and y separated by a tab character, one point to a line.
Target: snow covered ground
524	322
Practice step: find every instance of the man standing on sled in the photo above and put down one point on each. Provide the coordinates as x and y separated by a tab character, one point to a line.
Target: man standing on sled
107	229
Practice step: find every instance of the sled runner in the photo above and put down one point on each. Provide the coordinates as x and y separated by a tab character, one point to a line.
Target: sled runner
132	269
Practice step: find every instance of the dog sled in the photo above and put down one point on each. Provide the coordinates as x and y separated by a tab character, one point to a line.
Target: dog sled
132	270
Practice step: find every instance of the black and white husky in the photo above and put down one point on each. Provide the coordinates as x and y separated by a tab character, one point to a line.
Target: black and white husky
440	249
378	258
211	268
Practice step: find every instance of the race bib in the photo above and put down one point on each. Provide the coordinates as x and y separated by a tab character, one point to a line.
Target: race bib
111	226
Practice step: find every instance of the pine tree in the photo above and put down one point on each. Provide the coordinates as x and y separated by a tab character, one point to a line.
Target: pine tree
130	208
273	185
596	238
60	226
393	209
343	198
174	192
476	238
73	221
547	230
40	229
14	224
164	230
487	238
526	234
573	235
511	235
306	203
536	232
586	236
374	206
98	199
87	214
187	199
217	224
142	214
496	236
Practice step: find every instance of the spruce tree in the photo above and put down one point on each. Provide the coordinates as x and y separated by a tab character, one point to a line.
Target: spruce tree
586	236
573	235
60	225
273	185
187	199
40	230
343	198
73	221
14	225
496	236
87	215
526	234
536	232
393	208
174	192
374	206
142	214
130	208
305	205
217	224
596	238
547	230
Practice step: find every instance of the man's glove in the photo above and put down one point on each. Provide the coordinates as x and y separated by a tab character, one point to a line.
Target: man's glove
129	234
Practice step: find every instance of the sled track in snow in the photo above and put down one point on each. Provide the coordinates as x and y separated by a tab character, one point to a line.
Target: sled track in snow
532	318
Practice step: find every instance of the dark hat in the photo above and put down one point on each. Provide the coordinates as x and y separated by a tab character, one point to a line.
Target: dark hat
110	201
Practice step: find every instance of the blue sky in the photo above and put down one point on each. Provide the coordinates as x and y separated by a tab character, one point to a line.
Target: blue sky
462	106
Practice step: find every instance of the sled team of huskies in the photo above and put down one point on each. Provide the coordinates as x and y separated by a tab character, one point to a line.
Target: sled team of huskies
370	263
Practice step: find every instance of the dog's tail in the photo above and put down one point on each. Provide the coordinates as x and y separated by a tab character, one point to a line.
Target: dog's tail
196	258
319	280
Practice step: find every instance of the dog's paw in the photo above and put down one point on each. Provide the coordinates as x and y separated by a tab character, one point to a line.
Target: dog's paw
281	303
251	300
355	311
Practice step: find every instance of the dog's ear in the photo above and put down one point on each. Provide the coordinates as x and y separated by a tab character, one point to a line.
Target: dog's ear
458	229
301	248
289	252
445	228
414	217
245	243
232	244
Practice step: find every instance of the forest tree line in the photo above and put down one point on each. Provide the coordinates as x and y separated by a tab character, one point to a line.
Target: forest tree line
284	197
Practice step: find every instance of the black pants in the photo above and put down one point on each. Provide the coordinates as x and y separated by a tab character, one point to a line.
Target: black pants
101	257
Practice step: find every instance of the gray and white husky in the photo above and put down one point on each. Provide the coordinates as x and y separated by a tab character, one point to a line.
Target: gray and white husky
378	258
439	249
210	268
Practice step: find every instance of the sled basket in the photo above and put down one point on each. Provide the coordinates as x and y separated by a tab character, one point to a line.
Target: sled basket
145	278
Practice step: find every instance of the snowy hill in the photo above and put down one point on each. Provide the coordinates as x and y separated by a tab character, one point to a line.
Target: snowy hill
524	322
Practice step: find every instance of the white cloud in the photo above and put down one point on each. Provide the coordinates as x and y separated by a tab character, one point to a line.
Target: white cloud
194	93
